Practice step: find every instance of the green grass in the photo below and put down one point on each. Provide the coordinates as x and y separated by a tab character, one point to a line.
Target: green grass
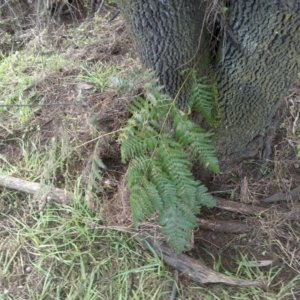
19	72
61	252
72	256
98	74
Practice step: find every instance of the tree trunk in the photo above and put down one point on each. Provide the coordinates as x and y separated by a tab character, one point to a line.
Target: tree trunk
261	61
257	61
169	36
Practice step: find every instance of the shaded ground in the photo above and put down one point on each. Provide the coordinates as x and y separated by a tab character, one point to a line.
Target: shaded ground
73	103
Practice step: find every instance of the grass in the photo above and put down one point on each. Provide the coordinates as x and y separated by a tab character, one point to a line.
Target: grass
55	251
19	72
50	251
67	253
98	74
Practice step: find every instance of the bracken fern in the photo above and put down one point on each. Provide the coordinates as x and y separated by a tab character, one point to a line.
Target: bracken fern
161	144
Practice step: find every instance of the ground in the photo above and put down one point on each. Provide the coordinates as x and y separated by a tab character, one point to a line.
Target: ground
60	116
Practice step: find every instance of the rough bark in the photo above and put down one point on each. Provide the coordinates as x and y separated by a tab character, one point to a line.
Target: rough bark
258	59
169	37
260	62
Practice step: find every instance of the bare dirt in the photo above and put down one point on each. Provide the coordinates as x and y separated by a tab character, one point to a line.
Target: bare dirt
274	238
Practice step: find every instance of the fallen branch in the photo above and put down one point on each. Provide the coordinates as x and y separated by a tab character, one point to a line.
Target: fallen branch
238	207
190	267
33	188
224	226
292	195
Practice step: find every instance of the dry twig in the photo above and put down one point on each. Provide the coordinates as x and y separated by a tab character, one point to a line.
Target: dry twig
34	188
292	195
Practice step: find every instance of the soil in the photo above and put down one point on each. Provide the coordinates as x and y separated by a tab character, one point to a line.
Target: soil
107	112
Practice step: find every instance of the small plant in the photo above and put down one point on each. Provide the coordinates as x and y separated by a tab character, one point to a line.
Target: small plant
161	144
98	74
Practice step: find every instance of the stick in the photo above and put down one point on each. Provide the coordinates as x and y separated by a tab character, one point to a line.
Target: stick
238	207
224	226
174	288
190	267
100	6
34	188
292	195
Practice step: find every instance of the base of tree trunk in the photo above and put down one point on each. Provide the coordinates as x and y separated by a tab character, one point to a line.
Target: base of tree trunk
259	147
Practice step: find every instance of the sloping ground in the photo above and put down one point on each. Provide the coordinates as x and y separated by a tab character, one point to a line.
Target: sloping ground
59	122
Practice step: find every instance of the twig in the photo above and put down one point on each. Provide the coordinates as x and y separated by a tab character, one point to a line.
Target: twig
114	16
190	267
34	188
292	195
100	6
175	284
224	226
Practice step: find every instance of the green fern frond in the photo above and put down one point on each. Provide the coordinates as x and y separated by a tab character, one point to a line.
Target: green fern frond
204	198
96	167
176	165
137	143
139	167
162	145
154	196
166	188
202	99
136	204
177	224
196	141
144	193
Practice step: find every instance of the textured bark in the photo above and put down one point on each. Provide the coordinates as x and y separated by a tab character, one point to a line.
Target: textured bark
169	36
257	63
260	62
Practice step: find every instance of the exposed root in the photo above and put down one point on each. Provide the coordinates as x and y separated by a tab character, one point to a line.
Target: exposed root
196	270
190	267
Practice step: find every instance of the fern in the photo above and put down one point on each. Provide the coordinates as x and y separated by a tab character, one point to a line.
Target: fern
161	144
202	99
93	173
196	141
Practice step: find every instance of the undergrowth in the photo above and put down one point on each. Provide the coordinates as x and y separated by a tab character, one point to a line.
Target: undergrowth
69	252
162	144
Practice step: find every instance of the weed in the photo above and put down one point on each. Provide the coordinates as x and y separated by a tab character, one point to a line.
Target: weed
98	74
